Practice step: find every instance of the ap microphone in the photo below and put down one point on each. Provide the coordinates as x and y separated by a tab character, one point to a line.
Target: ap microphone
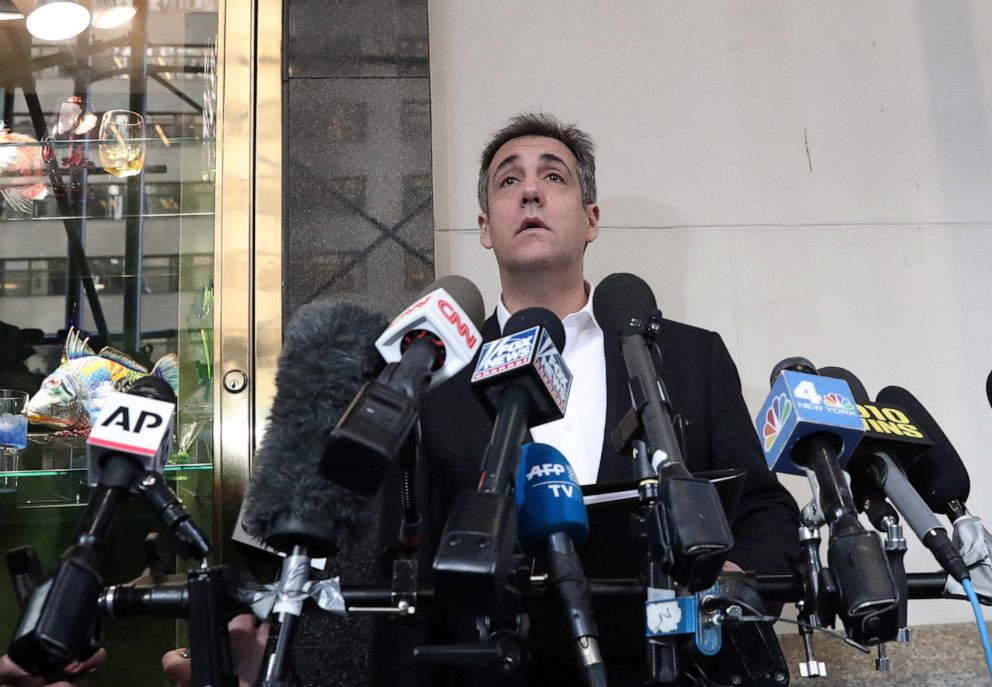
522	378
59	621
327	355
874	468
424	345
551	520
938	474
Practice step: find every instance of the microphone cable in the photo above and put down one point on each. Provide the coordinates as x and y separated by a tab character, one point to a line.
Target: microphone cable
983	632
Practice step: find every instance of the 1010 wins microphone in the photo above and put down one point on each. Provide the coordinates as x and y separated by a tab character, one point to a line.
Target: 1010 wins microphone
424	345
938	474
551	520
809	423
327	355
873	467
524	380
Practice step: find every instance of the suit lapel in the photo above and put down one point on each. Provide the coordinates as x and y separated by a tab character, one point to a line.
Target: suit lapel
614	467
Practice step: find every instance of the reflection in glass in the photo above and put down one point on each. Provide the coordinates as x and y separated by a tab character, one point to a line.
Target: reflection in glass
122	142
13	426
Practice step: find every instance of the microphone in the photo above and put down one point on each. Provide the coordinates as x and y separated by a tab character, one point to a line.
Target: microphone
625	308
327	355
873	467
522	379
524	382
424	345
938	474
59	622
809	422
988	388
137	426
551	521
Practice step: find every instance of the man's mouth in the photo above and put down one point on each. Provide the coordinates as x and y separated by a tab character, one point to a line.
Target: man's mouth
531	223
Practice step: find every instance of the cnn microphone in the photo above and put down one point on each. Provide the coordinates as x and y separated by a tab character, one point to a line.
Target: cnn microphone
327	355
424	345
873	467
551	520
58	624
625	308
522	378
810	423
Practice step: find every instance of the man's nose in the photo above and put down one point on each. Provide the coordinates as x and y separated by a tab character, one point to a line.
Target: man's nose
530	192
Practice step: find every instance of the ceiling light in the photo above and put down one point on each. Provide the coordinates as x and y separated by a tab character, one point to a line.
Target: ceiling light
57	20
9	11
110	14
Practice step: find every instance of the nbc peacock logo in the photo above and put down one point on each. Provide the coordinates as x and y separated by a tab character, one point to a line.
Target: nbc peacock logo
778	413
835	400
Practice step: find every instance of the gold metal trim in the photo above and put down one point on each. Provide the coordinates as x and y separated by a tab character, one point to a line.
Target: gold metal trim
268	208
233	267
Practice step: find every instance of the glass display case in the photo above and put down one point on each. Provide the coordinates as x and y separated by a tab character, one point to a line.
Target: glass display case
108	180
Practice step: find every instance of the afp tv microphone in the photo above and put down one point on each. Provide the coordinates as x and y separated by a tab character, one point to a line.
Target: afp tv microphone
424	345
551	521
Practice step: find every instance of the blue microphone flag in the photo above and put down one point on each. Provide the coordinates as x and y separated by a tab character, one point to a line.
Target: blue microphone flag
548	498
800	404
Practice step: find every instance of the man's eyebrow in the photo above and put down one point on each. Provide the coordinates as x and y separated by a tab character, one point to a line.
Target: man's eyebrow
509	160
551	157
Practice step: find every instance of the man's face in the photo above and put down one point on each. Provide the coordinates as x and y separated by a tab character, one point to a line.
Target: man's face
536	216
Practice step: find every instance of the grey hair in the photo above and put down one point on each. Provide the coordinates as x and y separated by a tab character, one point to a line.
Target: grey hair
541	124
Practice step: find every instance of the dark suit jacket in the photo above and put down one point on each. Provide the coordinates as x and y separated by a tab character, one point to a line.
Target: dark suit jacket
703	387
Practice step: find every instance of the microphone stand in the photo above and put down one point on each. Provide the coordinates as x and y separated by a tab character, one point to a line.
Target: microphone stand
59	621
662	652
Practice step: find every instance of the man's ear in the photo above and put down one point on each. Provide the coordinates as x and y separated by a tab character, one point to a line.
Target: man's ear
484	237
592	215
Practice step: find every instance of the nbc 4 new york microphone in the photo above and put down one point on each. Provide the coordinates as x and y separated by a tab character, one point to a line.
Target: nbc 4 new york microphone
809	424
423	346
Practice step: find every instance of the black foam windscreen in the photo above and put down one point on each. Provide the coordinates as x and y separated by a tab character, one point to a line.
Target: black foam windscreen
938	474
796	363
857	388
155	388
988	388
327	355
621	302
532	317
465	293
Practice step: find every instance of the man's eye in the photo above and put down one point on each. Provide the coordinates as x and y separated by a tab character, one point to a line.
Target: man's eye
554	176
507	181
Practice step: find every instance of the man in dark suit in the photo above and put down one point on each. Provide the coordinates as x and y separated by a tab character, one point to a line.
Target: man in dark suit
537	192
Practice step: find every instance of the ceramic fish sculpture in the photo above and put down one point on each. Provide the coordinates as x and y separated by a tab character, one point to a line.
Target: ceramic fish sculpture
72	396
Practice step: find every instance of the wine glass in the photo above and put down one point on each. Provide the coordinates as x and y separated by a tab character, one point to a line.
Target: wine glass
13	426
122	142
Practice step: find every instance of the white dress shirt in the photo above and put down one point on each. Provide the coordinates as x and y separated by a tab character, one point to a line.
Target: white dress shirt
578	435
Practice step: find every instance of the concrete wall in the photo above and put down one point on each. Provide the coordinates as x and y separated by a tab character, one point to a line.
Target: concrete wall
807	178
